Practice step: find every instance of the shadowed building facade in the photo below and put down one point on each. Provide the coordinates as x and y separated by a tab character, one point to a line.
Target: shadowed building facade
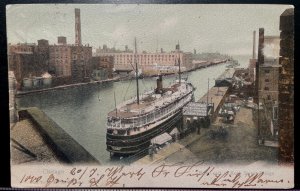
286	88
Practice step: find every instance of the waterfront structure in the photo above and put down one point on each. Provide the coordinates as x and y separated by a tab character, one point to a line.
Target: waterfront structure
226	78
196	115
268	69
148	62
286	88
28	60
69	60
21	48
105	49
65	62
80	59
100	63
60	58
267	79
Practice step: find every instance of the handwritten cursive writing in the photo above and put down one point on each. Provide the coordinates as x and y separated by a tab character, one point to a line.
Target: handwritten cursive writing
196	174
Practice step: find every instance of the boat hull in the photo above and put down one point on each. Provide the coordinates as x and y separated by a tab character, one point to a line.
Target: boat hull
127	145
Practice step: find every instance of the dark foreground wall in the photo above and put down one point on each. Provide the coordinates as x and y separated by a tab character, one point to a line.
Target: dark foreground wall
63	145
286	88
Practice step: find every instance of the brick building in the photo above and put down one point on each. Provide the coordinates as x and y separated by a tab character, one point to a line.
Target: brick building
268	80
69	60
147	61
268	68
102	62
28	60
60	59
81	56
286	88
67	63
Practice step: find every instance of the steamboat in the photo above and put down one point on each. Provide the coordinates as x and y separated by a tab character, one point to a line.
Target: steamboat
134	123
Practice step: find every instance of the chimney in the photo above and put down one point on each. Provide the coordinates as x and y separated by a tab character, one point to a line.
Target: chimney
261	47
161	50
77	28
62	40
254	41
195	51
177	47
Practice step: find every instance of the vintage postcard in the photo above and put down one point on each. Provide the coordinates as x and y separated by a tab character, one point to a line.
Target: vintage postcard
151	95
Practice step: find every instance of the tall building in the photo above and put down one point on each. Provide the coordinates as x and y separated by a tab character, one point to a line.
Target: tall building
267	76
79	64
28	60
269	70
98	63
60	58
286	88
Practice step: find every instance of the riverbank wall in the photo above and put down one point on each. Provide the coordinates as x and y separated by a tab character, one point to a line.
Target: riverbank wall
115	79
20	93
63	146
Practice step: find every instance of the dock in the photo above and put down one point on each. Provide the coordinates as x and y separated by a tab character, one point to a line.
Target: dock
176	151
216	95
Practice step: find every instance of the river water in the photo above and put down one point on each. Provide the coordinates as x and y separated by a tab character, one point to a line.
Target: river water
81	111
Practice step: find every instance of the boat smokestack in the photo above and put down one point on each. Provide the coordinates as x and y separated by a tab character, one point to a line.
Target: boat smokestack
159	88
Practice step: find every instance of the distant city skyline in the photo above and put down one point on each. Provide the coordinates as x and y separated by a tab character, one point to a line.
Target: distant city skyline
207	28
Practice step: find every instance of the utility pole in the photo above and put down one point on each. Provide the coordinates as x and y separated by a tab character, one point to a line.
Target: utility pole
136	73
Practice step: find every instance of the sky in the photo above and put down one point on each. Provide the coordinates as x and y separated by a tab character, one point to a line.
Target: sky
227	29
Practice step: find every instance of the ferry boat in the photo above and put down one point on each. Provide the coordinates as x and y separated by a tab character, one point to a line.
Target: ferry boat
133	123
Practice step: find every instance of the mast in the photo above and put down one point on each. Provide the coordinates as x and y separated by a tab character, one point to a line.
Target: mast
115	104
179	70
207	97
136	73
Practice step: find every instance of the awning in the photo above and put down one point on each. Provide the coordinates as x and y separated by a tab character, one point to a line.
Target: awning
161	139
174	131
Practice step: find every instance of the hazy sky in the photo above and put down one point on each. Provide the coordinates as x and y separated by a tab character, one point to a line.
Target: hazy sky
207	28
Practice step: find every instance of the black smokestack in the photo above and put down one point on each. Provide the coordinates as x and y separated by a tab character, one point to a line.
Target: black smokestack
261	46
159	88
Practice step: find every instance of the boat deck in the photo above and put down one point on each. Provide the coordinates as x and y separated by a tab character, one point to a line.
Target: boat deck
147	103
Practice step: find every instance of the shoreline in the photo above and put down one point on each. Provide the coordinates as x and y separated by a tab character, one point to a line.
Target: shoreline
116	79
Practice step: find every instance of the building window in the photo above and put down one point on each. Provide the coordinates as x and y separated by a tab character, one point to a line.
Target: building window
267	80
266	88
269	97
267	71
